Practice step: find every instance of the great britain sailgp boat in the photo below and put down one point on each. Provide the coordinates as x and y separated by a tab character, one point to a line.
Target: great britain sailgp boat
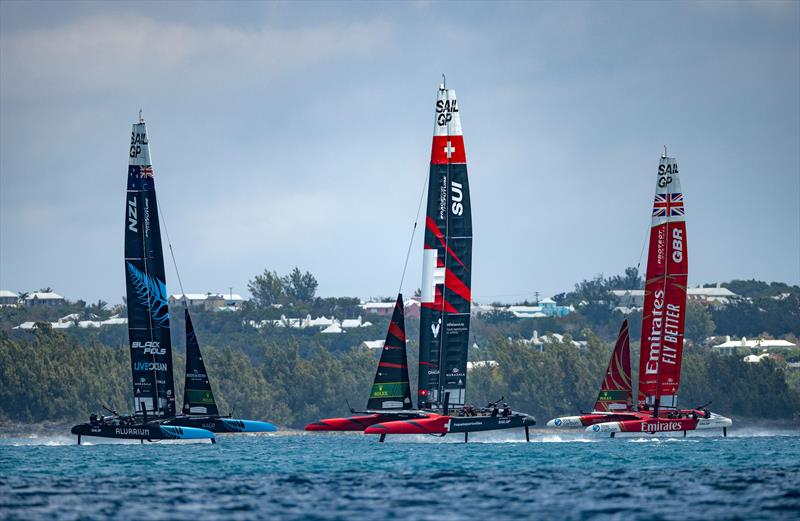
615	398
446	295
148	316
663	321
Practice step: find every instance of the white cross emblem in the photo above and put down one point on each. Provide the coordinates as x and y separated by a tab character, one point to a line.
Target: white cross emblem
449	150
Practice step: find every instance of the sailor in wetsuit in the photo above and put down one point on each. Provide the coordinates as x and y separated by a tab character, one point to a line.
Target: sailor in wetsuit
506	410
495	410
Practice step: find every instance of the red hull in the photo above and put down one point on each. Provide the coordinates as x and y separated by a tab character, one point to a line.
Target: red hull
432	425
352	423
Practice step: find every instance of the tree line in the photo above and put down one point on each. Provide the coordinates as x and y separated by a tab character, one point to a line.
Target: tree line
46	375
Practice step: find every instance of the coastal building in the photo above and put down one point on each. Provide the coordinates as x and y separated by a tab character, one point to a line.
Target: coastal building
540	341
209	301
634	298
763	345
8	298
411	308
43	298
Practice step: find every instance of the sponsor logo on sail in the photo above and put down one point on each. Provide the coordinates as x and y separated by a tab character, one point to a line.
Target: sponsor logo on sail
150	348
149	366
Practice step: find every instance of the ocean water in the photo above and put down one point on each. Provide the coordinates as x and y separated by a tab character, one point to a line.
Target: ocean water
749	475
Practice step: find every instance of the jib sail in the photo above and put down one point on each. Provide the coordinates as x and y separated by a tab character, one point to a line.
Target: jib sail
447	263
197	395
616	391
665	293
391	389
148	311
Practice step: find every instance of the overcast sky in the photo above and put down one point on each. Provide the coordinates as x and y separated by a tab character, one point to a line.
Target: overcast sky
288	134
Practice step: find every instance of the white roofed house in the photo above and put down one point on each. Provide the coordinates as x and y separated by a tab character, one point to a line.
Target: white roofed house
762	345
44	298
8	298
209	301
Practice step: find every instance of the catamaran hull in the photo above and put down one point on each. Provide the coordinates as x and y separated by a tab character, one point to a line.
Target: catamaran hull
222	425
361	422
442	425
652	425
149	432
585	420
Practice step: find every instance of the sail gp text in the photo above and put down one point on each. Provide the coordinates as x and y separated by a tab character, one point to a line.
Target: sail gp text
445	110
665	173
137	140
150	348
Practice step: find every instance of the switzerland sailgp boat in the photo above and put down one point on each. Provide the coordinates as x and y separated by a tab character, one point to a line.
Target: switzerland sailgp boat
614	401
663	321
148	316
446	295
390	397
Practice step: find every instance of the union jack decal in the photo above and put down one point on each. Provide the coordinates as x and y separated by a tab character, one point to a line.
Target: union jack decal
668	205
146	171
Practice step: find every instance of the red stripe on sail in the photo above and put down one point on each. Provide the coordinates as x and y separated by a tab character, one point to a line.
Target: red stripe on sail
395	330
431	225
455	285
393	366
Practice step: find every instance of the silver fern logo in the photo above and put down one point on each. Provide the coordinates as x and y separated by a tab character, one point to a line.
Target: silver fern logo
152	293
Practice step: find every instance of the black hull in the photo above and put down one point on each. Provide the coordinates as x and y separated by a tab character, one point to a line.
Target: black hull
147	431
484	423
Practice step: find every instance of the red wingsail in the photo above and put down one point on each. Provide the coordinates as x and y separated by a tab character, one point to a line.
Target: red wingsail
665	293
616	391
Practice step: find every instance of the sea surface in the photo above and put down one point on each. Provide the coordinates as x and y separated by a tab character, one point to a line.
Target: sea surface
749	475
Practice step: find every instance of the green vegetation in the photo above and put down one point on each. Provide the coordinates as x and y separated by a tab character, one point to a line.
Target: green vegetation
45	375
294	376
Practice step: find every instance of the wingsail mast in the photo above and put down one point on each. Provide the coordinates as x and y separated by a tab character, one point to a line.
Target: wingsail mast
148	309
665	294
447	263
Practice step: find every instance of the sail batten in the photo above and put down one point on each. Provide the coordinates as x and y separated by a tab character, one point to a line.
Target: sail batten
665	293
447	263
147	297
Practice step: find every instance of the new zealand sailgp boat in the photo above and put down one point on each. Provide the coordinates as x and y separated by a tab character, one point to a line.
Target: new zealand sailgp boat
614	401
390	397
446	294
199	407
663	321
148	316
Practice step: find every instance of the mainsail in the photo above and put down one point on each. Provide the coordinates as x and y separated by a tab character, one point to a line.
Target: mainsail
447	263
197	395
616	391
391	389
665	293
148	311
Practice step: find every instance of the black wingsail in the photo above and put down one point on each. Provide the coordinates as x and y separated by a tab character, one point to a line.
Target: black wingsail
148	310
447	263
391	389
197	395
